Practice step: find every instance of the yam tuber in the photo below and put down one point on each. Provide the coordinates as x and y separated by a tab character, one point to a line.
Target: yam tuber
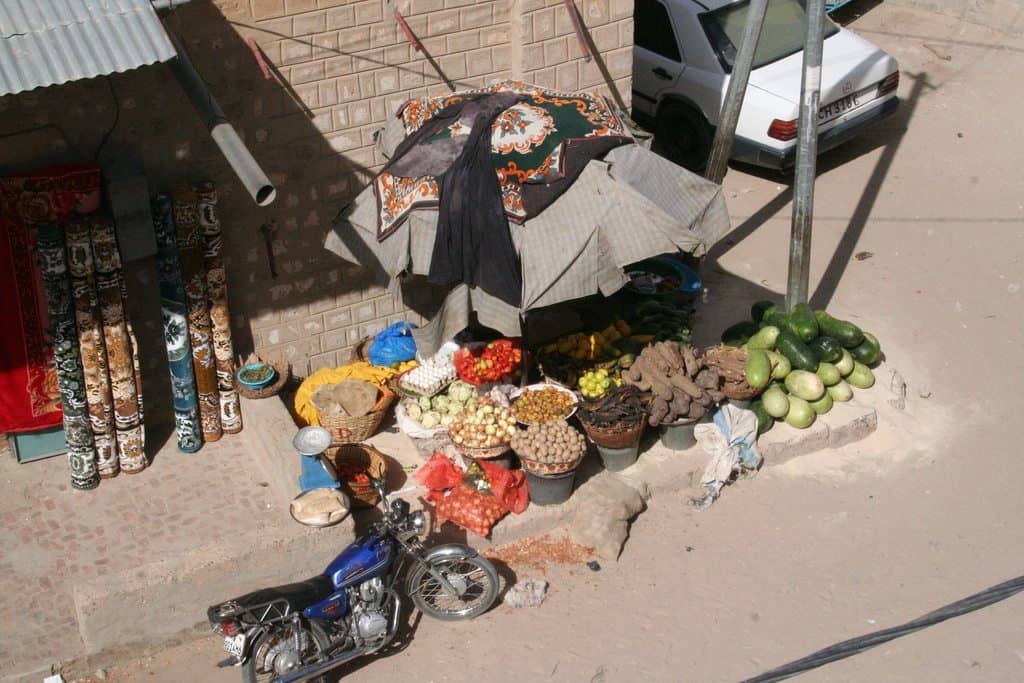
659	409
686	384
680	403
690	360
666	354
660	387
707	379
633	374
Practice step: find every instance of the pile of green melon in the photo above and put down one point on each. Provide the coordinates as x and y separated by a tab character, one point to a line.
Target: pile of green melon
804	360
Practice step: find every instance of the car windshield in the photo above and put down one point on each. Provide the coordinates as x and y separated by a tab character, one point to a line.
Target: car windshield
782	35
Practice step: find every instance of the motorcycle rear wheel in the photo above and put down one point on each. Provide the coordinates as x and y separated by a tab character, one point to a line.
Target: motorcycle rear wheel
255	669
475	574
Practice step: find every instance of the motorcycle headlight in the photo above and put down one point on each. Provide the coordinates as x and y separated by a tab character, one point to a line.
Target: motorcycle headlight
419	521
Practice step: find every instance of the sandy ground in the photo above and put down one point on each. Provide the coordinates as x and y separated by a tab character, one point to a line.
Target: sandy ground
838	544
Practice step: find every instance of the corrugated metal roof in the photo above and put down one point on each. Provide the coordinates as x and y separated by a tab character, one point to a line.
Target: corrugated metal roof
47	42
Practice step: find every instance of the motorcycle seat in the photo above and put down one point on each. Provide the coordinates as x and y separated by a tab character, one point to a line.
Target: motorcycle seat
299	595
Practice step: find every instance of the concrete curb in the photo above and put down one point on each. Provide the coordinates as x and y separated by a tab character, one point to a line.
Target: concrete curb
660	471
159	602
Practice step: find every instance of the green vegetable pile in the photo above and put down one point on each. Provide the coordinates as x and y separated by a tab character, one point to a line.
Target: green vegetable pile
806	361
441	410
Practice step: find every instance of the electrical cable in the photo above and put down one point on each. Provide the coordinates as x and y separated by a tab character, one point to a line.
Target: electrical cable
117	118
853	646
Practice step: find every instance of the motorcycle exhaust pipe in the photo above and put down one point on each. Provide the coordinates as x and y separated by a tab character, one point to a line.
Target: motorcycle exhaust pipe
307	672
313	670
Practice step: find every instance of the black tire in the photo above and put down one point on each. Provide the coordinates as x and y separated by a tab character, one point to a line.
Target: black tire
682	135
481	587
250	672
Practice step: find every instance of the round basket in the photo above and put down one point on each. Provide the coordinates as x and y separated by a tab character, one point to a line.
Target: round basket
372	461
361	351
730	362
740	391
549	468
482	453
272	389
346	429
619	436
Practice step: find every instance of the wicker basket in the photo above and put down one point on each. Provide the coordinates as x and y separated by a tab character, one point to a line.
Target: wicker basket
346	429
482	453
549	468
373	462
729	362
740	391
272	389
615	437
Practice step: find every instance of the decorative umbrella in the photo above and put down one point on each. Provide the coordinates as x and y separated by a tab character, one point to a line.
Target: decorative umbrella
582	199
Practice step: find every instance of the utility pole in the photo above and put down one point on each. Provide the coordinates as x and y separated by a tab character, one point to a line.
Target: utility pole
721	146
806	157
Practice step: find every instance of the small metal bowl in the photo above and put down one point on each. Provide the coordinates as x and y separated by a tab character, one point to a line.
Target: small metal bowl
344	501
311	440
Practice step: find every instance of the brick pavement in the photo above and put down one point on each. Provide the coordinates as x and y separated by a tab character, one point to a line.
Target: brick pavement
53	537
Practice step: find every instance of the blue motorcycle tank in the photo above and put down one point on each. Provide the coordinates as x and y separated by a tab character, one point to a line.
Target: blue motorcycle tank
364	559
330	608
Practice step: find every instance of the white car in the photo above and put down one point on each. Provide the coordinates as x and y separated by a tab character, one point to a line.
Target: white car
682	58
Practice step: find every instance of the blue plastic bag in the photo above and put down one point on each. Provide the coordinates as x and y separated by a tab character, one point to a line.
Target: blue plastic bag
393	345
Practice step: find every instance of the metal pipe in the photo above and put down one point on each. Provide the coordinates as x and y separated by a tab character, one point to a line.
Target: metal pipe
721	147
223	133
160	5
806	158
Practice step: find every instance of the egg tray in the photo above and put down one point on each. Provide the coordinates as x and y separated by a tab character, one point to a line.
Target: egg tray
395	384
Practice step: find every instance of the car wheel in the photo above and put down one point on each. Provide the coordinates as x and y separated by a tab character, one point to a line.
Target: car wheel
683	136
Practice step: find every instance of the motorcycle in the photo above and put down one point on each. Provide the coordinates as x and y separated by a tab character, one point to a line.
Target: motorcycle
299	631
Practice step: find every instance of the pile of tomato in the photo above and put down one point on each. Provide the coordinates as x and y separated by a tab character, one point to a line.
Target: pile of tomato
490	363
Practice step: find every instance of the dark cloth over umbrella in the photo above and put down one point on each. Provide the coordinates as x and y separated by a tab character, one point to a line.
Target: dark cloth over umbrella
473	244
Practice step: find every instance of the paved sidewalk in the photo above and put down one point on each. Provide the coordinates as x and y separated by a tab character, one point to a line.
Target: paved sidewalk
64	550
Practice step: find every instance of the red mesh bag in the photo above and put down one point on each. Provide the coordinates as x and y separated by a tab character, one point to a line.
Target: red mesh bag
472	510
507	486
439	473
459	502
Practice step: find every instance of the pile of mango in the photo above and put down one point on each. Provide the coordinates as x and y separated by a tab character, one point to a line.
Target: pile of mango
592	345
570	357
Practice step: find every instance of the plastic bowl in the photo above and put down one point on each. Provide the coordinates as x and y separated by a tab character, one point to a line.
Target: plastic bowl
259	375
663	266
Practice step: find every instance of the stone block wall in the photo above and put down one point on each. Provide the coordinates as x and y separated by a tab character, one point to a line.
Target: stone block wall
337	69
552	56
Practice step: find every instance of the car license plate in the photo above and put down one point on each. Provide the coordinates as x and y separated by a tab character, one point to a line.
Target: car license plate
235	645
837	108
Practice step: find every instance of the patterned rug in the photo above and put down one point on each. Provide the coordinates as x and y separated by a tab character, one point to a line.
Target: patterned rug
29	392
533	145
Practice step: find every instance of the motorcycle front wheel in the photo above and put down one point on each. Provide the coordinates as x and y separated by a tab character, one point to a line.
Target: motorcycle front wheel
473	576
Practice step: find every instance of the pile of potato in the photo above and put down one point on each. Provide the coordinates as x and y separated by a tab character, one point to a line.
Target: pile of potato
550	443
